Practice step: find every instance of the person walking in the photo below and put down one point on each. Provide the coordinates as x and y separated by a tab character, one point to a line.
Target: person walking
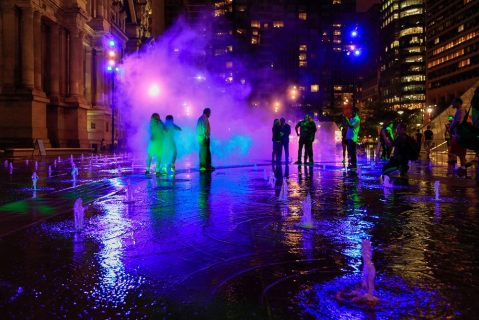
156	131
203	131
352	136
344	142
428	141
276	130
418	140
285	133
447	131
169	144
302	130
455	149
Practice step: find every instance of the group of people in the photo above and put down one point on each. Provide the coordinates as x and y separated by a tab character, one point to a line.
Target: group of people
306	131
162	143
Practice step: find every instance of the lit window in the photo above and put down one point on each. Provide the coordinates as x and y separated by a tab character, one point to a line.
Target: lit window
337	49
445	58
92	125
254	40
413	30
415	78
461	64
303	47
303	64
337	32
302	57
229	64
229	48
415	50
411	12
460	28
436	41
314	88
338	88
302	16
278	24
255	24
456	42
336	1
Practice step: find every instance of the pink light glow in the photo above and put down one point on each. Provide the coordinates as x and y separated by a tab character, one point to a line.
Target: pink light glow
154	90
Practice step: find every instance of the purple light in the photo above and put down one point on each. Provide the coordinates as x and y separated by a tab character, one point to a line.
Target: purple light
117	69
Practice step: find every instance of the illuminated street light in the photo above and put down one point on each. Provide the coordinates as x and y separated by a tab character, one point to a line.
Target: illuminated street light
154	90
429	110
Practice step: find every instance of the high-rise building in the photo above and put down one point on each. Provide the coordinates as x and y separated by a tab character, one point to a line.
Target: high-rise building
452	28
403	57
299	50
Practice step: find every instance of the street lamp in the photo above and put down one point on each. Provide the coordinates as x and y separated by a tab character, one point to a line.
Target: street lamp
112	55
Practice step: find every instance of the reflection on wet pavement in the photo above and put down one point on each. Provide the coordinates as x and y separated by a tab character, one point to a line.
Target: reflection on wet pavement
224	246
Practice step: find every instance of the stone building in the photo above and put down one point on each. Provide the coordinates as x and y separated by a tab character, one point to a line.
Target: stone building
54	83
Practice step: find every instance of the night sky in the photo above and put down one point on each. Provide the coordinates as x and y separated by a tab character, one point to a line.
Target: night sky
363	5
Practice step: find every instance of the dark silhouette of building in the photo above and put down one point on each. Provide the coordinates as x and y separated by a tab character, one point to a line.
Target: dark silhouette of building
452	49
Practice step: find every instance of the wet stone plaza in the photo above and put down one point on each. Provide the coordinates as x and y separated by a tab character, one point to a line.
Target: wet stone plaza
235	243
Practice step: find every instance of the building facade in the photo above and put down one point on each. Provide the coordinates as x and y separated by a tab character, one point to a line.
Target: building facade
54	82
403	59
452	49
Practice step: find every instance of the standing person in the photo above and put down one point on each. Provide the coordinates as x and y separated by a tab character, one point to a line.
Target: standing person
344	142
285	132
169	144
309	142
276	141
399	160
428	136
303	133
156	130
418	141
203	131
455	149
447	131
386	137
352	136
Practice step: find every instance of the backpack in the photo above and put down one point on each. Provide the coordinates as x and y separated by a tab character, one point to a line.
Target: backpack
412	148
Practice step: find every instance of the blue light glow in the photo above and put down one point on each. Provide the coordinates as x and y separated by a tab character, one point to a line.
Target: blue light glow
354	33
109	68
112	43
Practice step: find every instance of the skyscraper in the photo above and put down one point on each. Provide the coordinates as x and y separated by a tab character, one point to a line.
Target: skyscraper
403	58
452	49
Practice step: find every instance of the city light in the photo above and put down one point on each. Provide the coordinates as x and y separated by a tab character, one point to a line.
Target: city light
357	52
354	33
111	43
111	53
154	90
111	62
400	112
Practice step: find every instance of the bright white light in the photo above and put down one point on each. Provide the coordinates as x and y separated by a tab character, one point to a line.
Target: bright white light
154	90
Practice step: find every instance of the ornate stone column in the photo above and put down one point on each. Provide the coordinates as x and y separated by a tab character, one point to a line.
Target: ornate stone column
76	63
8	45
37	47
54	61
26	36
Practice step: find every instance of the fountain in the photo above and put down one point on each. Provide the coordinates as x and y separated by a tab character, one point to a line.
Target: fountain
36	165
74	172
265	176
307	220
5	164
34	180
255	168
129	193
10	168
363	295
272	180
82	157
49	171
387	182
26	162
437	186
78	213
55	163
71	158
59	159
283	194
